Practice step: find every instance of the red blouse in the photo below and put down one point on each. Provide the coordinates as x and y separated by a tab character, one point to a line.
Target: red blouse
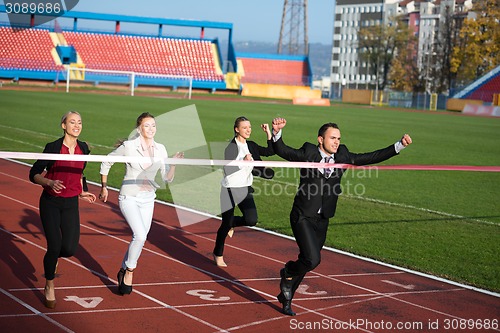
69	172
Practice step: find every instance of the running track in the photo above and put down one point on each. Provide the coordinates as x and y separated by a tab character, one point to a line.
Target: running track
177	288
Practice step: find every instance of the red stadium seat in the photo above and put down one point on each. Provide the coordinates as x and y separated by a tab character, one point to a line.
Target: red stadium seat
26	49
144	54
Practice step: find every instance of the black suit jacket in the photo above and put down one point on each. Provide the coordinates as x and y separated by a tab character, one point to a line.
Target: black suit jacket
315	190
55	148
257	151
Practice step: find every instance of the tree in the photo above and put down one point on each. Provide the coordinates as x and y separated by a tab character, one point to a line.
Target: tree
403	73
447	38
478	50
380	45
376	49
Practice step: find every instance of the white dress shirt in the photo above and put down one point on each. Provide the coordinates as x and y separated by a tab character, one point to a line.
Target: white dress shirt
243	177
139	177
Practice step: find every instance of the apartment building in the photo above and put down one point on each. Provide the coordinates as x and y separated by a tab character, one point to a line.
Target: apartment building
424	17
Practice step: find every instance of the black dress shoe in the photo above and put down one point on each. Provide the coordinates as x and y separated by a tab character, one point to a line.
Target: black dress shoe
287	305
285	285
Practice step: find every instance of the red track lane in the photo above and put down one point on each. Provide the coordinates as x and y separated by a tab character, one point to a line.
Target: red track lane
177	288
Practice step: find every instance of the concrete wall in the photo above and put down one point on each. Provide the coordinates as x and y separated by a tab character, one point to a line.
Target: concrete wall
278	91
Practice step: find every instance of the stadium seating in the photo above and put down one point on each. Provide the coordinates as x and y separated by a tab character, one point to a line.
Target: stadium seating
27	49
485	92
275	71
154	55
30	49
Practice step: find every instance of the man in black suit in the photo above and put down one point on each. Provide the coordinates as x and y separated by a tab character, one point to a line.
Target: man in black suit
316	198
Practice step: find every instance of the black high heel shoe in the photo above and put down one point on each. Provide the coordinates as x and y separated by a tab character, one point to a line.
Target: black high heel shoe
123	288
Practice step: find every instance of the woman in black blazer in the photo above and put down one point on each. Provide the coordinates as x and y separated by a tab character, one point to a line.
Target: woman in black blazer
63	184
237	183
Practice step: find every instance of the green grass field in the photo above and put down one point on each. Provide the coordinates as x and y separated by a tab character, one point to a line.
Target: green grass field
446	223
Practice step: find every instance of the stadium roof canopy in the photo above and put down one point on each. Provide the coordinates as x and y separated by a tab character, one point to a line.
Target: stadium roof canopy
136	19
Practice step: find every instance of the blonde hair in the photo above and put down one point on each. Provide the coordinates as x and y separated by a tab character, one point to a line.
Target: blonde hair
67	114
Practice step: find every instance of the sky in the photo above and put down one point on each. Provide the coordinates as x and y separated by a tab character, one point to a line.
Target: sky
253	20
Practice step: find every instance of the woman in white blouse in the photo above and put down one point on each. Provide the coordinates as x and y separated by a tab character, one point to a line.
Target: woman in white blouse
138	190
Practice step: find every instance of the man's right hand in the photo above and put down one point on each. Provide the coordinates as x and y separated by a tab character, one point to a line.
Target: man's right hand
278	124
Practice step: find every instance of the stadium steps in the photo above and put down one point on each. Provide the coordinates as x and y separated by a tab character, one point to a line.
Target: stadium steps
481	84
216	59
58	39
241	67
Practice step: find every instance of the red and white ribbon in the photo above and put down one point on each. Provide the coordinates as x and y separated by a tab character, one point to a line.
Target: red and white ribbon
275	164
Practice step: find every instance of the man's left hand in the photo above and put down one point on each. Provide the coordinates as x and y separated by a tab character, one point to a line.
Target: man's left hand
406	140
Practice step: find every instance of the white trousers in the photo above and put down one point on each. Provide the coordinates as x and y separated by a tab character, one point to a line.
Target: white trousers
138	212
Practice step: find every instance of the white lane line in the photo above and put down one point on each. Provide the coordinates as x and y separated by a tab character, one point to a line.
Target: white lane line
240	284
400	285
368	297
157	301
34	311
179	262
44	135
198	282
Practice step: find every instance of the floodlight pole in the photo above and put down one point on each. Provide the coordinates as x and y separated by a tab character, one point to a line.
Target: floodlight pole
293	26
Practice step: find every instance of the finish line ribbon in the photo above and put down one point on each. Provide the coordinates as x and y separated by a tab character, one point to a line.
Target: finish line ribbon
276	164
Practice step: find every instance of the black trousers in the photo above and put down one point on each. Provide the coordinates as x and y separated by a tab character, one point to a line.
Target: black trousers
310	235
230	198
61	224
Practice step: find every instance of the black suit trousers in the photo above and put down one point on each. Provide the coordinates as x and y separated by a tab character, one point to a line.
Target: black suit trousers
230	198
61	224
310	235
